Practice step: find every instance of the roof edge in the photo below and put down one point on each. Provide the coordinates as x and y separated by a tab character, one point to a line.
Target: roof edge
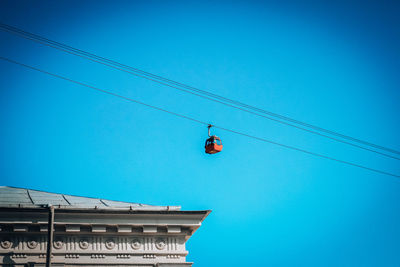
106	211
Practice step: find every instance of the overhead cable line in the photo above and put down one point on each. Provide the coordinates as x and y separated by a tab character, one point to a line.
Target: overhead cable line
201	93
201	122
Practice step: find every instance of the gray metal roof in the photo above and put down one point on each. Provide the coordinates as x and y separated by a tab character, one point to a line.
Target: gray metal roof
21	197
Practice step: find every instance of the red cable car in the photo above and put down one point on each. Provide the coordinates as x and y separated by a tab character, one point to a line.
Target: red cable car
213	144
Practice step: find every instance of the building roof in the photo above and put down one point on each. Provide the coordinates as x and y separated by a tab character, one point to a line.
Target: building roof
27	198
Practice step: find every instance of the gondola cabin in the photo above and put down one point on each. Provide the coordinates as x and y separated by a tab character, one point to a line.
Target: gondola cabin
213	145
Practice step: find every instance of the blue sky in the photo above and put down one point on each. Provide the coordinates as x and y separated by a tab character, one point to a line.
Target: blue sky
333	64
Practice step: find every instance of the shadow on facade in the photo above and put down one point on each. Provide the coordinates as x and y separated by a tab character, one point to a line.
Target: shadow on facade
7	261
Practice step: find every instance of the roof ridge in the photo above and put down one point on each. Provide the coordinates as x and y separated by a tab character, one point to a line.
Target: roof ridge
29	195
66	199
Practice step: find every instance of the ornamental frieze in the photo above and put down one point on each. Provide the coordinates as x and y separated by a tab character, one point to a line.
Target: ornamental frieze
72	256
6	244
110	244
98	256
149	256
18	256
160	243
173	256
58	244
32	244
84	244
123	256
91	244
136	244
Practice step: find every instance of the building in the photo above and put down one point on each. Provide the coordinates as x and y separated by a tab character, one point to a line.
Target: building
91	231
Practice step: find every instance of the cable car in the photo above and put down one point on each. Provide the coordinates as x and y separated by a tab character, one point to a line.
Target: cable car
213	143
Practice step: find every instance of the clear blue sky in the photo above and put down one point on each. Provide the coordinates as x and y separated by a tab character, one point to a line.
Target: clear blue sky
334	64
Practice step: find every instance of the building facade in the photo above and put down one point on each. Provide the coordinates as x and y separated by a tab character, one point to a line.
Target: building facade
92	232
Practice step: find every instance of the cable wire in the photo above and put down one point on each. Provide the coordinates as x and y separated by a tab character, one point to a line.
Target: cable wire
190	89
201	122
